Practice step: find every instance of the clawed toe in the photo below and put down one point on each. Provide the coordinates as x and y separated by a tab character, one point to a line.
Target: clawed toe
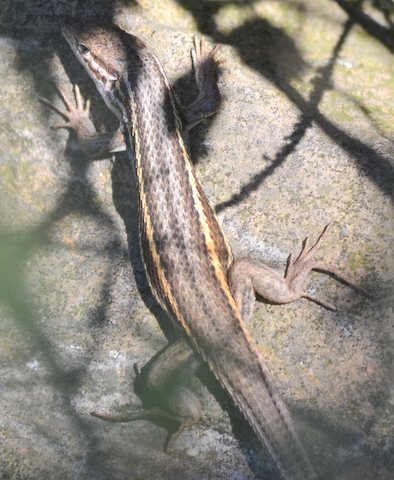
172	435
204	61
73	113
306	252
199	52
298	270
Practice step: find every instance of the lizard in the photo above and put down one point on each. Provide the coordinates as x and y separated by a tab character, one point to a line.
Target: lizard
187	258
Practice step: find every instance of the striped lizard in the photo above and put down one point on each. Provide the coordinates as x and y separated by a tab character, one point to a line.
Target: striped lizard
187	258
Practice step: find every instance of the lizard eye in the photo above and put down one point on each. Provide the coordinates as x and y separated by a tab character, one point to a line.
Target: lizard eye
83	49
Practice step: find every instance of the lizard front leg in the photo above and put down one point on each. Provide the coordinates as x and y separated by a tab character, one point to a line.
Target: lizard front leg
93	143
209	99
248	276
96	144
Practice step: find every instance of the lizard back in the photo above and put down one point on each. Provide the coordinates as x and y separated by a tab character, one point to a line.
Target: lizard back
185	252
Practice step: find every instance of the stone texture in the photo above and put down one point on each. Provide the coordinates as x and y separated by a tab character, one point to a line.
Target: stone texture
304	137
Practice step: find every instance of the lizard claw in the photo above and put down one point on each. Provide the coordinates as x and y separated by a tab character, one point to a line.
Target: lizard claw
298	270
76	115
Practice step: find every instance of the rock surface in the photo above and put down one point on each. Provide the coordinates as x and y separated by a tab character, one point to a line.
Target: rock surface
304	137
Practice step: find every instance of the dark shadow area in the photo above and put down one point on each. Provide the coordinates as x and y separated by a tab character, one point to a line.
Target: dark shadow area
383	34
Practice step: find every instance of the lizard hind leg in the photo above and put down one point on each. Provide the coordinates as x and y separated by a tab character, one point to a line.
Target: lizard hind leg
188	413
159	384
248	276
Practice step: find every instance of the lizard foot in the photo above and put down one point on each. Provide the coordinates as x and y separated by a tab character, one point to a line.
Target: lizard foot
248	276
76	115
169	400
209	98
298	270
93	143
